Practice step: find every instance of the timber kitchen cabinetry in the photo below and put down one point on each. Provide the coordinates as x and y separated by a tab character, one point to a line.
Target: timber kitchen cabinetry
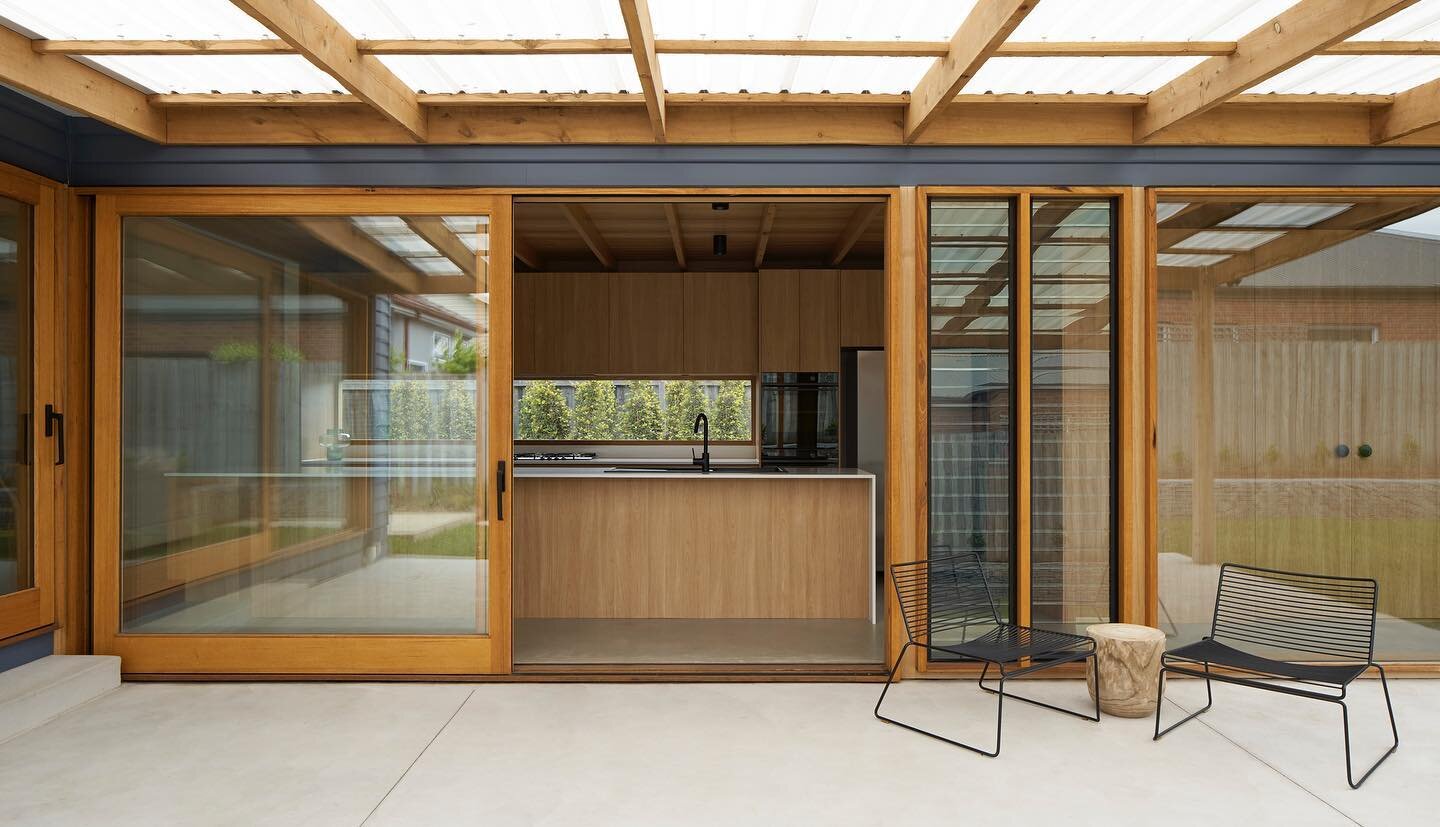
806	316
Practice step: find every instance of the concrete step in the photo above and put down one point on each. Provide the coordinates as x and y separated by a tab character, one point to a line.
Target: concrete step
45	689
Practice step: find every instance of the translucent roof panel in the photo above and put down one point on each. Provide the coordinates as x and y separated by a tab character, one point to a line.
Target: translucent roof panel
1058	75
219	73
1188	259
808	19
1284	215
776	73
147	20
515	73
1166	210
1364	75
1225	240
468	19
1110	20
1419	22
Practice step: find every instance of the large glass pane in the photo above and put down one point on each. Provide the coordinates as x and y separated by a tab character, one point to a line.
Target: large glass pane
1072	273
1299	401
971	267
16	562
303	413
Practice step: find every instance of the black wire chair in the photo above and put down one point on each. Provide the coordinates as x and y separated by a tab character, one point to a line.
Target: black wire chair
1289	617
949	594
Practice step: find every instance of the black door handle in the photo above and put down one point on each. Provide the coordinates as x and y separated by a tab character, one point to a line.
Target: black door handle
500	490
55	426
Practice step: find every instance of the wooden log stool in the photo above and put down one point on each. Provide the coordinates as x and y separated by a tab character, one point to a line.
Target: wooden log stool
1129	659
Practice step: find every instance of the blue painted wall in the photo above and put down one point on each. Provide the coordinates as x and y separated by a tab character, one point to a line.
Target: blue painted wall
34	136
18	654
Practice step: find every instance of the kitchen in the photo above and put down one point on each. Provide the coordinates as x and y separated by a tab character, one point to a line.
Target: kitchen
699	433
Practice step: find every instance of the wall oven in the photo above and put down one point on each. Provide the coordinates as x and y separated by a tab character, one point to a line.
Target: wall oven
800	419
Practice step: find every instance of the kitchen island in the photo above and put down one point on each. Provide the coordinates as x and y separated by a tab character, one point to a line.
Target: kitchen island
595	543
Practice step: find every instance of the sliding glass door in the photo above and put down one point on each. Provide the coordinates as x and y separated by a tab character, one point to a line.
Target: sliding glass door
31	416
1022	401
304	434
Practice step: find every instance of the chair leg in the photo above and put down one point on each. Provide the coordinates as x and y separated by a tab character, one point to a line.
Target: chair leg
999	714
1160	700
1394	732
1001	691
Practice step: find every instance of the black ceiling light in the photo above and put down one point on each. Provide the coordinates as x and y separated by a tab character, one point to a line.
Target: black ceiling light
719	244
719	206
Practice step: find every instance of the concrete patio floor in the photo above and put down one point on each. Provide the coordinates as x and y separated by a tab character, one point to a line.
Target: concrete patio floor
501	754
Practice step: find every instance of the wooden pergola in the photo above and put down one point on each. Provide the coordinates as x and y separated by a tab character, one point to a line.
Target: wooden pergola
1209	104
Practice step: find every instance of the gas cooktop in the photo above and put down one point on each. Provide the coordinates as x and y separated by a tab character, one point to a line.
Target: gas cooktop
568	457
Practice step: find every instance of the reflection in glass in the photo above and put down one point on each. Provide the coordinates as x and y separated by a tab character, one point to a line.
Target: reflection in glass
631	410
1298	419
15	275
301	425
1071	276
971	267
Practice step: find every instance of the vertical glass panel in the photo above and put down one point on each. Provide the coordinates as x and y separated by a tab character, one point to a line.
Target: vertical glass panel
16	561
1072	274
971	267
1299	401
303	415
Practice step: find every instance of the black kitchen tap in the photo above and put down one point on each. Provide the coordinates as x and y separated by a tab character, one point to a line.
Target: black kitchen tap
703	421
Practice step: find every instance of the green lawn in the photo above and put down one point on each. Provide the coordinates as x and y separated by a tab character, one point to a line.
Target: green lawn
452	542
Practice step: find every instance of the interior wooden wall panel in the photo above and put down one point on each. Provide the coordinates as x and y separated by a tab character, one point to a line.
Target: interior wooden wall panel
862	308
647	323
819	321
721	317
697	548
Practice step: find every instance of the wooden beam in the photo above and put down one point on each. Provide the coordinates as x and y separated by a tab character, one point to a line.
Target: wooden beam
859	220
315	34
1294	35
767	222
1413	110
258	46
619	46
987	26
527	253
961	125
460	46
432	228
580	220
354	243
76	86
677	234
647	65
1384	47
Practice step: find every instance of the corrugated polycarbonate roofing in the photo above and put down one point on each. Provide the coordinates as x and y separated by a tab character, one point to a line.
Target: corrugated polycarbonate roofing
856	20
219	73
1111	20
515	73
773	73
137	20
808	19
477	19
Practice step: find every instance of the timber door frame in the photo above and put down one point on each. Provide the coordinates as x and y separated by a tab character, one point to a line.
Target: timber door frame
297	655
1132	382
30	611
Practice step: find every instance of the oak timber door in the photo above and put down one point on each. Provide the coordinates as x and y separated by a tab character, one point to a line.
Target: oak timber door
31	413
303	432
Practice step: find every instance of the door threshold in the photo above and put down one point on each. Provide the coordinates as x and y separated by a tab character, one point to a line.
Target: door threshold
699	672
